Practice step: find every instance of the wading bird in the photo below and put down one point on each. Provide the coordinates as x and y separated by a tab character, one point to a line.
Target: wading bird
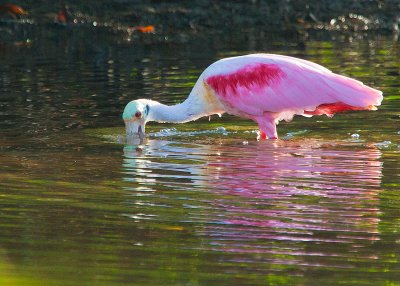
266	88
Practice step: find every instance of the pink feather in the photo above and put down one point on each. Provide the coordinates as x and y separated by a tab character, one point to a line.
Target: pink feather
268	88
263	87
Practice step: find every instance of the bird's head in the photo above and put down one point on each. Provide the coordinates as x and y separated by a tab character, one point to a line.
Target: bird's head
135	117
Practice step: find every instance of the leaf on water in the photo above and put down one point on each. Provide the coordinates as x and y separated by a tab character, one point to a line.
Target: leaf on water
173	228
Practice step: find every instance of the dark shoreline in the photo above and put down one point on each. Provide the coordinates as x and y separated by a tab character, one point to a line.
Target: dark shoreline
205	15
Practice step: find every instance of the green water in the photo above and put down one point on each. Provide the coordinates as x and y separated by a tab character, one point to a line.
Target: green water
204	203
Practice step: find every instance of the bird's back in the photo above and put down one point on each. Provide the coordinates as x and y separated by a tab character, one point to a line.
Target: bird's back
232	64
254	84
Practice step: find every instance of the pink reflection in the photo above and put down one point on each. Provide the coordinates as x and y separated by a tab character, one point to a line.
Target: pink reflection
303	192
293	202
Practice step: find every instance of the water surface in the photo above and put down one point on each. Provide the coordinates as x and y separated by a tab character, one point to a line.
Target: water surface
204	203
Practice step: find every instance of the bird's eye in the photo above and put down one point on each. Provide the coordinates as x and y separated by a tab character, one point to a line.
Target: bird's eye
138	114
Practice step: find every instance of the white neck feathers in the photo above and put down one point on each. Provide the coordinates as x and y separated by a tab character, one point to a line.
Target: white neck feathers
179	113
201	102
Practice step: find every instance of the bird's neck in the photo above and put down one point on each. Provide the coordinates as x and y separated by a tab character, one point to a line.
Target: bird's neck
179	113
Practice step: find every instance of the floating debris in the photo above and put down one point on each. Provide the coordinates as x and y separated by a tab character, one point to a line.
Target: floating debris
145	29
64	16
12	10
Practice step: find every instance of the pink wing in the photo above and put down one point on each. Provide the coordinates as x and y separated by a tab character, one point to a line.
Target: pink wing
270	83
272	88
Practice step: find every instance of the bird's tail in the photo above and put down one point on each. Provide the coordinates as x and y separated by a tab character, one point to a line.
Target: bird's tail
354	93
348	94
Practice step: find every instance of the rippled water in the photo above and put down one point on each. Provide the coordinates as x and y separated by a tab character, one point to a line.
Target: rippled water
202	203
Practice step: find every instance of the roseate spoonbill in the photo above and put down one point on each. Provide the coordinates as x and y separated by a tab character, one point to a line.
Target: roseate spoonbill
266	88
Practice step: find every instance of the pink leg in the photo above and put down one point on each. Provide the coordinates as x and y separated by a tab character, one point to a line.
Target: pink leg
267	126
263	135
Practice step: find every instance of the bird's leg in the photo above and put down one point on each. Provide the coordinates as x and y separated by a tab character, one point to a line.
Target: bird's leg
267	126
262	135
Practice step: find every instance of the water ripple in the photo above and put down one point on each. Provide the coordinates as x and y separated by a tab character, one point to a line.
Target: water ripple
255	196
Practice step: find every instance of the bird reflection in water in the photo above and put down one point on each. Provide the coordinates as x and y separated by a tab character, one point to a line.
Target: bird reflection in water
287	197
299	193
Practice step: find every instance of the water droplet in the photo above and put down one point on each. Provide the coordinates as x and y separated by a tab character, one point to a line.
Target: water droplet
355	136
